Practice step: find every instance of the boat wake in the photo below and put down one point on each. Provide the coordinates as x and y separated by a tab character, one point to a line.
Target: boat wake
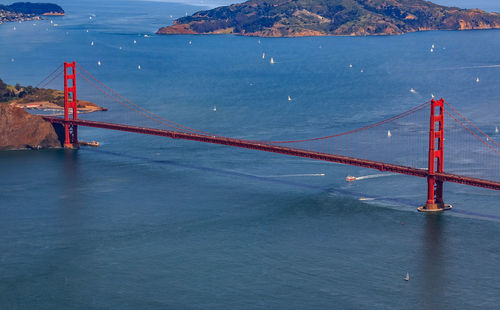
373	176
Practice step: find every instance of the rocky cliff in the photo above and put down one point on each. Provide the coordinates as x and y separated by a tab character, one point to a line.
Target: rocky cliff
20	130
293	18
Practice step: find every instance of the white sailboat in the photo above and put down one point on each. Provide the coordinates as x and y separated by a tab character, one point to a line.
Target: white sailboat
214	108
263	55
496	129
477	80
289	98
407	278
139	67
271	61
99	63
92	43
389	134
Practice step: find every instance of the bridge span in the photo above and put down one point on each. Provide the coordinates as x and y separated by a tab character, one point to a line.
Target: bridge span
399	144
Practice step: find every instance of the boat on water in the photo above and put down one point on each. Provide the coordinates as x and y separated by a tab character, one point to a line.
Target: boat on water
407	278
389	134
214	109
91	143
263	55
496	129
350	178
271	61
289	98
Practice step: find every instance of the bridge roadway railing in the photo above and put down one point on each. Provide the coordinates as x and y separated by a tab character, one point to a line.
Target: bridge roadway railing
260	146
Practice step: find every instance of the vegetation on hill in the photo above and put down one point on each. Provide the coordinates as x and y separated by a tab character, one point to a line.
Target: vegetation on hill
288	18
21	95
28	94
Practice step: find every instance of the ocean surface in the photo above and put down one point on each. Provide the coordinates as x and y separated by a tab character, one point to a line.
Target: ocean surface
152	223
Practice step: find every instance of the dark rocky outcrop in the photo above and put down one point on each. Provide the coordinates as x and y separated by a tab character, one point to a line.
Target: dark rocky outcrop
22	130
294	18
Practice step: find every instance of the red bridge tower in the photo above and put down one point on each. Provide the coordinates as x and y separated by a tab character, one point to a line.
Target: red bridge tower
435	201
70	131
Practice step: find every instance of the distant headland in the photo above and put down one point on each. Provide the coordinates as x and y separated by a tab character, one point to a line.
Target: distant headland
22	130
297	18
23	11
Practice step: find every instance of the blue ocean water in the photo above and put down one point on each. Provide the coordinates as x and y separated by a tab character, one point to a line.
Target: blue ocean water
147	222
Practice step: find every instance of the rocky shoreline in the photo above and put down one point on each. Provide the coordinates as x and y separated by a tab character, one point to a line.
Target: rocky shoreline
22	130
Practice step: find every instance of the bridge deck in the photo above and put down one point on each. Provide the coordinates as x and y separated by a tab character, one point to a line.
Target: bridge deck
256	145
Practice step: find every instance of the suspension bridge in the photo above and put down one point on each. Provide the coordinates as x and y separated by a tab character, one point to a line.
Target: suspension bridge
411	143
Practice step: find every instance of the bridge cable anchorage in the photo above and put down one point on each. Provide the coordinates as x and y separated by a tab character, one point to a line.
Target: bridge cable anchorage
154	115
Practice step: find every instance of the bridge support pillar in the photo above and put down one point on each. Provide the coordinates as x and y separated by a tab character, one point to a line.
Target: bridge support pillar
435	202
70	102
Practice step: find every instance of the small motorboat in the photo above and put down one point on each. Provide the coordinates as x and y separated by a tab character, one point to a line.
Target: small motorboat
350	178
91	143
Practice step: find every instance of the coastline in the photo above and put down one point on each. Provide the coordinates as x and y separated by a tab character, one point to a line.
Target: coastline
84	106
